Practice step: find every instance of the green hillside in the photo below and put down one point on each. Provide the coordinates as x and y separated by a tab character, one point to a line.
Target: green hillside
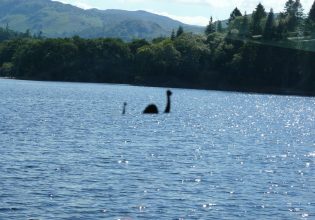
55	19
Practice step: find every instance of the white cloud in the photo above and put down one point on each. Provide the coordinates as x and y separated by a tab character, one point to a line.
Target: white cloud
244	5
247	5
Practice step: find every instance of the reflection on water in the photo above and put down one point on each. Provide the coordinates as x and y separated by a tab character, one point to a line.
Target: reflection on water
68	153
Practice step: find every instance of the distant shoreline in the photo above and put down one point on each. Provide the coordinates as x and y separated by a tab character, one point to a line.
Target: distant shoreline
5	77
271	91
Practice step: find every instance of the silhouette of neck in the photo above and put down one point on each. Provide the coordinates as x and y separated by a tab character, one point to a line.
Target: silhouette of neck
168	105
124	108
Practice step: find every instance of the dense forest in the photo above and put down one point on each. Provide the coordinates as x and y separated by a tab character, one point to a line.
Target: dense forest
260	52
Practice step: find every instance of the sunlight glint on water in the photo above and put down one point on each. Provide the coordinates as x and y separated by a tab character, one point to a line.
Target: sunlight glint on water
68	153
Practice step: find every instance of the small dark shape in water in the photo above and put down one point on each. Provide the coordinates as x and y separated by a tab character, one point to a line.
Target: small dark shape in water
152	109
124	108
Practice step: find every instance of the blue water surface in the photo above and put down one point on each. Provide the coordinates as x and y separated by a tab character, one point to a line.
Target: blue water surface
66	152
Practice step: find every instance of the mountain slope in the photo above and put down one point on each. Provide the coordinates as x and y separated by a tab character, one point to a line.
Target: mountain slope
55	19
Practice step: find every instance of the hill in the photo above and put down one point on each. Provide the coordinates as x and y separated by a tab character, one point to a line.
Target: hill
56	19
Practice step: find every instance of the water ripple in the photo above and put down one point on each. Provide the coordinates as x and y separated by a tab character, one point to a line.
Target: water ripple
68	153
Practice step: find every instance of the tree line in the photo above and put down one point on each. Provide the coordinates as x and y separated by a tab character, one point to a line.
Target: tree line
8	34
261	52
291	22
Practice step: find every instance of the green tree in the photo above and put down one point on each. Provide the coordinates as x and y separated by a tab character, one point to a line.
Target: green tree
219	26
238	28
6	70
310	22
136	44
293	11
157	60
39	35
244	29
180	31
158	40
194	56
257	17
9	48
213	40
48	59
234	14
173	36
210	27
289	7
269	29
243	65
27	34
299	15
281	27
311	14
8	34
298	9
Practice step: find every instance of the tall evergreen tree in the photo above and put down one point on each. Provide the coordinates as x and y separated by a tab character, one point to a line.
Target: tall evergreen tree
310	22
282	27
173	36
244	29
210	27
288	8
269	30
294	14
235	13
180	31
257	17
298	9
299	17
311	14
219	26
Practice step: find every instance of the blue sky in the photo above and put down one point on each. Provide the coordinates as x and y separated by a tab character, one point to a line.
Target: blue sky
195	12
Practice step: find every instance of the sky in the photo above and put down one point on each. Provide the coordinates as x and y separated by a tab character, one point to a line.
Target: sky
196	12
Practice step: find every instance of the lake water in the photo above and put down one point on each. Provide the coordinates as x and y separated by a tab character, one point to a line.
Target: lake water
66	152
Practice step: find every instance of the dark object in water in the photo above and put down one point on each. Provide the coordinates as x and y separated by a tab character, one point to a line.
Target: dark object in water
124	108
152	109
